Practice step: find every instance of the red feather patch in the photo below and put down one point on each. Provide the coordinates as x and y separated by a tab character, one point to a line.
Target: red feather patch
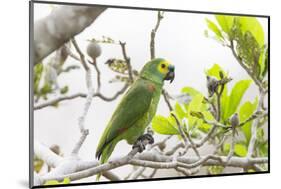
151	87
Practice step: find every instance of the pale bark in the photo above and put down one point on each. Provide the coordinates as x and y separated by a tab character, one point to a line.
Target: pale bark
62	24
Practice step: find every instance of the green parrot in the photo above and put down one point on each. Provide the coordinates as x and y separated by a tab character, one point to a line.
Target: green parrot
136	109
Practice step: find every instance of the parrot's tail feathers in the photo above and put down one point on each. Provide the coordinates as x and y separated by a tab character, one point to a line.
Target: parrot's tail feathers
104	155
98	154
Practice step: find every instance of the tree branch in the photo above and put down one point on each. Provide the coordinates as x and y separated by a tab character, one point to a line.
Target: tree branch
165	95
99	169
82	56
185	138
94	63
157	161
60	26
255	123
44	153
239	60
81	95
127	60
153	34
81	121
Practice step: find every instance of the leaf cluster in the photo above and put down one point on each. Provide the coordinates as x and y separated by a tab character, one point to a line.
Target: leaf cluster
196	114
245	36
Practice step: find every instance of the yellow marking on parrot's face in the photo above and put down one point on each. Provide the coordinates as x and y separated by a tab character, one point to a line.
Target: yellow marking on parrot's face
163	67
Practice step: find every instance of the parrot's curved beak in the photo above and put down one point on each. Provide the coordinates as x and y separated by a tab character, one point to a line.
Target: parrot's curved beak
171	73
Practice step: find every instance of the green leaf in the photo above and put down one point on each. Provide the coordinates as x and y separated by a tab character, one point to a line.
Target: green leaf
163	126
64	90
251	24
260	135
37	164
47	88
204	127
194	106
225	22
189	90
38	70
212	26
215	169
208	116
215	71
179	111
197	114
263	62
263	149
239	149
235	97
246	110
224	102
55	182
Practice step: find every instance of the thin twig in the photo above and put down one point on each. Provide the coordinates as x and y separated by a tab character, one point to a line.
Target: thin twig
153	34
214	112
252	142
161	143
81	121
152	53
187	172
127	60
247	69
153	173
218	106
81	95
165	95
232	146
94	63
184	136
137	173
174	149
82	57
256	115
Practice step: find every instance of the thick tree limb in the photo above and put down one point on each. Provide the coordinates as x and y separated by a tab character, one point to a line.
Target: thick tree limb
63	165
158	161
99	169
44	153
62	24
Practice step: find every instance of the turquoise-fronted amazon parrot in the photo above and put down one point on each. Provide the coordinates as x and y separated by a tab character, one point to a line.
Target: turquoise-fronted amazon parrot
137	108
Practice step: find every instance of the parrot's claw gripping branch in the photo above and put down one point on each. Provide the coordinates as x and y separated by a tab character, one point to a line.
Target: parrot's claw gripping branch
140	145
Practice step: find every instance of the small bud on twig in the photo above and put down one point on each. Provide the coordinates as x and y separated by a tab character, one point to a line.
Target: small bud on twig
212	85
234	120
94	50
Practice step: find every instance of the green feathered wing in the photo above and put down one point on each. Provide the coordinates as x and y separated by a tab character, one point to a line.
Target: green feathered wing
130	118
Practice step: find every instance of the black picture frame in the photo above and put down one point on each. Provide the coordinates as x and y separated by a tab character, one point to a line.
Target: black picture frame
31	63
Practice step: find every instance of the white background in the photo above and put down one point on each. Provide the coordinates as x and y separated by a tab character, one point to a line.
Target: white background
14	93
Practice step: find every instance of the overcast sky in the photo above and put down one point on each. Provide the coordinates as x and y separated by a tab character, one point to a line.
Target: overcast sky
180	39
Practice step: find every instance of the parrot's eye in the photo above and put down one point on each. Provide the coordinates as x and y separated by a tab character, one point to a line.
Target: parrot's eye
163	65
